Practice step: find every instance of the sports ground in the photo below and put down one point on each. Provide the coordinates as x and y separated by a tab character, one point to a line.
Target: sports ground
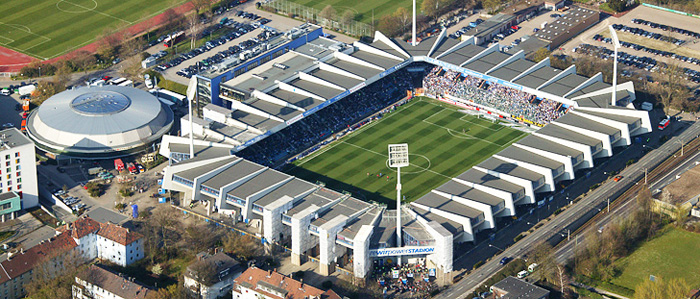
672	254
443	142
362	9
49	28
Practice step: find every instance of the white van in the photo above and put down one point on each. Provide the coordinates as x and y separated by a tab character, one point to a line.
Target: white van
523	274
647	106
532	267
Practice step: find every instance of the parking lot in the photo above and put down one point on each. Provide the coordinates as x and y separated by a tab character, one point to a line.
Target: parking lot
641	12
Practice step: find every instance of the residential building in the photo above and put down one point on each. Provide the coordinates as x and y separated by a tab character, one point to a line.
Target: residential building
98	282
256	283
513	288
118	244
106	241
19	267
85	237
18	182
226	269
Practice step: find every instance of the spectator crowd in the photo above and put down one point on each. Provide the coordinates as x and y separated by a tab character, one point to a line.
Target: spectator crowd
313	129
517	103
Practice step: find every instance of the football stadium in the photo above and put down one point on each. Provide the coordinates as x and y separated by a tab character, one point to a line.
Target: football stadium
294	142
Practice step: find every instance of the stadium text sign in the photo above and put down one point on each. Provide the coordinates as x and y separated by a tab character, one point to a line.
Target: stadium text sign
397	251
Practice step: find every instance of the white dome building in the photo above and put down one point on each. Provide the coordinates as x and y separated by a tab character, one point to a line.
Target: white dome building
99	122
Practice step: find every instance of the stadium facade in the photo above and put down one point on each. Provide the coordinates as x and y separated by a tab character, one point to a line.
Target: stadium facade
99	122
339	230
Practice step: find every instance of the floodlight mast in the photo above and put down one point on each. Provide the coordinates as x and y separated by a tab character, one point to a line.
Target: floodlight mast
413	36
398	157
616	45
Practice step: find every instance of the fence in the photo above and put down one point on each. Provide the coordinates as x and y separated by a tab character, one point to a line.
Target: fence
296	10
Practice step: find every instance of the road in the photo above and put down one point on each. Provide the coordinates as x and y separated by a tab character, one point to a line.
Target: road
567	250
573	217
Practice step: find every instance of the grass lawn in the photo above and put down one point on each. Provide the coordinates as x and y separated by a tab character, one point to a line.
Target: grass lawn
439	150
671	255
362	9
50	28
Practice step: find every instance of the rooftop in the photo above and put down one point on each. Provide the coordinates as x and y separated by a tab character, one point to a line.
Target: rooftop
518	289
114	283
275	285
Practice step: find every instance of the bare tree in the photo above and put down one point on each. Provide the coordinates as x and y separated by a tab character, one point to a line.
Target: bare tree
670	85
328	13
404	17
243	247
347	17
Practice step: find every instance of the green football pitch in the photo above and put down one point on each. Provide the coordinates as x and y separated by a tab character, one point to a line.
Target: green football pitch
49	28
442	143
362	9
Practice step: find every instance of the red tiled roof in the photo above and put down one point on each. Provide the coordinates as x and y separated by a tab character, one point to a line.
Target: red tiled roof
23	262
118	234
83	227
294	288
113	283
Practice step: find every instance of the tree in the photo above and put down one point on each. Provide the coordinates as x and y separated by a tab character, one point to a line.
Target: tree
54	275
491	5
174	291
670	85
644	200
431	8
404	17
617	5
389	25
681	215
540	54
542	255
328	13
199	236
348	17
164	219
243	247
45	90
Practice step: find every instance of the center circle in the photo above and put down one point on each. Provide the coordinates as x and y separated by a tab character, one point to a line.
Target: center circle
419	165
100	103
71	7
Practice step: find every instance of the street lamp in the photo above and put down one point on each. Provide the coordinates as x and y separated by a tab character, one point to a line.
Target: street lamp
398	157
616	45
491	245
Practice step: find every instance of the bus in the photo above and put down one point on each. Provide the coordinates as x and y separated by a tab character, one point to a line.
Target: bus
664	124
117	81
173	38
127	83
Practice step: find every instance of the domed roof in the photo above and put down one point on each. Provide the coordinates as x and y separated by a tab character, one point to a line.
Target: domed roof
99	119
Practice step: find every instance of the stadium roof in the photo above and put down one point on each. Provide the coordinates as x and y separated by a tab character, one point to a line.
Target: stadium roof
549	146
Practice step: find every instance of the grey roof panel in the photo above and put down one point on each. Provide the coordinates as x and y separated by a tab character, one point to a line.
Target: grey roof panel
511	169
195	172
254	120
485	179
445	45
442	203
362	71
462	54
619	118
296	99
320	198
285	113
464	191
260	182
317	89
452	226
347	207
566	134
386	48
382	61
531	158
588	124
549	146
293	188
343	81
231	174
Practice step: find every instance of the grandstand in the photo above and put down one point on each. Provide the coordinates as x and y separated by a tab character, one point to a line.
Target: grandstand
305	98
